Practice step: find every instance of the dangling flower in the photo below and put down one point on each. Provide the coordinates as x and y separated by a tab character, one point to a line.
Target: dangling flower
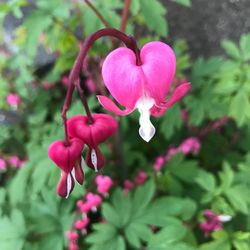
68	159
92	134
144	86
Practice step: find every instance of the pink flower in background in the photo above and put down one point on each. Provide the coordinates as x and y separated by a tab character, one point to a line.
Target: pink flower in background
3	164
82	223
158	164
141	178
171	152
104	183
94	200
128	185
15	161
13	99
143	87
91	85
190	145
71	235
213	222
65	81
47	85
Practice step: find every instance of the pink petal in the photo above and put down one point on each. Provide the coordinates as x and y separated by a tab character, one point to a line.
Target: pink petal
65	156
112	107
158	65
123	78
65	185
177	95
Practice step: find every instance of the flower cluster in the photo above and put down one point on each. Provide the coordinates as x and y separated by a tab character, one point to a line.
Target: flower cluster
189	145
89	203
213	222
69	157
137	79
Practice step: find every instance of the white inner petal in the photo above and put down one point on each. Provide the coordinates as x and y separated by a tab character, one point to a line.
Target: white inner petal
73	173
82	164
146	130
69	185
94	159
224	217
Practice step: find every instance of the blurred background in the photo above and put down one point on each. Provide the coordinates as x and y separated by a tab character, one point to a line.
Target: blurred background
169	194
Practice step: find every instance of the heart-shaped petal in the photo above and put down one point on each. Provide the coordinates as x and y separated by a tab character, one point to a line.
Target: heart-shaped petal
158	65
92	134
123	78
65	156
127	82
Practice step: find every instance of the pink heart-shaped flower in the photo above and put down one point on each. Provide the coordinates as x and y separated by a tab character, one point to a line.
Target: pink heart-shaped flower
92	134
144	86
65	156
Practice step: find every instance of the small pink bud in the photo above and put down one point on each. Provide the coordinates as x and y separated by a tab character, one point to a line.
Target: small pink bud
73	246
93	199
13	99
85	207
91	85
15	161
141	178
82	223
72	235
158	164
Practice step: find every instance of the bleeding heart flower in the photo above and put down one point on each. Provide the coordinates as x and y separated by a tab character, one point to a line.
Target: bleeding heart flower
144	86
65	156
92	134
104	183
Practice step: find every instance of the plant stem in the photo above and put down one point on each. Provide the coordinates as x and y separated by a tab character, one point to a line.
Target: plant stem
125	13
79	84
98	14
129	41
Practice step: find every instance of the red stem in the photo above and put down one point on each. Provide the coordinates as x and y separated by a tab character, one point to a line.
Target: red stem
129	41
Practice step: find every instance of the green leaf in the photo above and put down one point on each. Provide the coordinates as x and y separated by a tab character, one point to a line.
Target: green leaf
154	15
111	215
245	46
239	107
241	245
102	233
206	181
122	204
168	235
183	2
142	197
238	196
226	177
132	237
231	49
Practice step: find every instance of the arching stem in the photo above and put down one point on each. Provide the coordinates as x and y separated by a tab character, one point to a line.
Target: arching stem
78	65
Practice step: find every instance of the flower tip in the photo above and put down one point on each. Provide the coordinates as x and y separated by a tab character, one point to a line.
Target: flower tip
147	133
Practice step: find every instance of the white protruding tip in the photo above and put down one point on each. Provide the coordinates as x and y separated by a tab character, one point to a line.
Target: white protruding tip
69	185
146	130
94	159
82	163
225	217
